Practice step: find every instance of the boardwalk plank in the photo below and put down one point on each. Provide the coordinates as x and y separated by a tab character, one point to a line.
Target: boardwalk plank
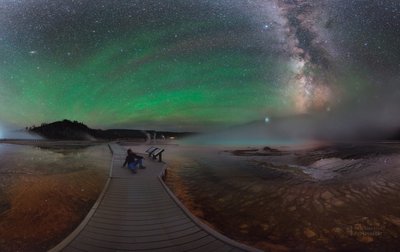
137	222
138	205
88	247
139	215
197	244
141	236
139	232
149	204
174	219
157	241
137	229
125	246
142	200
142	211
214	246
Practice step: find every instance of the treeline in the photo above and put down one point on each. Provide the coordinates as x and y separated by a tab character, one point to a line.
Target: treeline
74	130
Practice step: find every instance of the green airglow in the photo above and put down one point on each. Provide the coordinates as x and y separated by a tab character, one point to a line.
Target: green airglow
147	78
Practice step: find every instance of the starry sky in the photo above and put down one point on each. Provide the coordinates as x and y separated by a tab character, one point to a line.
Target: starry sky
196	65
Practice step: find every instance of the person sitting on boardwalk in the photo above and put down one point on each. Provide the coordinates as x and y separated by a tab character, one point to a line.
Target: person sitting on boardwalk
133	161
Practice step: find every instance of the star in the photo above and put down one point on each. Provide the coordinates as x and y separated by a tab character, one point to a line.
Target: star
194	62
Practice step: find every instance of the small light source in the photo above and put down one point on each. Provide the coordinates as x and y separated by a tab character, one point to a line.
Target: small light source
266	119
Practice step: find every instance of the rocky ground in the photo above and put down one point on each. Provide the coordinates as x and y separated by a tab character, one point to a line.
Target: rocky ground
46	191
336	197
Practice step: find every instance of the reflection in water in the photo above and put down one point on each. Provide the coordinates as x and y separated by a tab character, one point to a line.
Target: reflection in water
46	192
337	197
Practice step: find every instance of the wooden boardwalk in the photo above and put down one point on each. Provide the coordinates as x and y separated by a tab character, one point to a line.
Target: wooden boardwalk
137	212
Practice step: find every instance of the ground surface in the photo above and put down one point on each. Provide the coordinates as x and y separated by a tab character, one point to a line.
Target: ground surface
46	192
337	197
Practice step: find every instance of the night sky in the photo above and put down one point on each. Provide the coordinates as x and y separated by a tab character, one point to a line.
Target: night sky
195	65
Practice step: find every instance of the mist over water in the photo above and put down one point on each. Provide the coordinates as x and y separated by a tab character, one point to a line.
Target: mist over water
349	123
18	134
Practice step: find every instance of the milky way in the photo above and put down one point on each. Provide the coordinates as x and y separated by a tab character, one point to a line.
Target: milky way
193	64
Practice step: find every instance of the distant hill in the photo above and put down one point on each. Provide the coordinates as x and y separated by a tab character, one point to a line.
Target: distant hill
73	130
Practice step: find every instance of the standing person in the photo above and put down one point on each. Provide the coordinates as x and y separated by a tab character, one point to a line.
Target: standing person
133	161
